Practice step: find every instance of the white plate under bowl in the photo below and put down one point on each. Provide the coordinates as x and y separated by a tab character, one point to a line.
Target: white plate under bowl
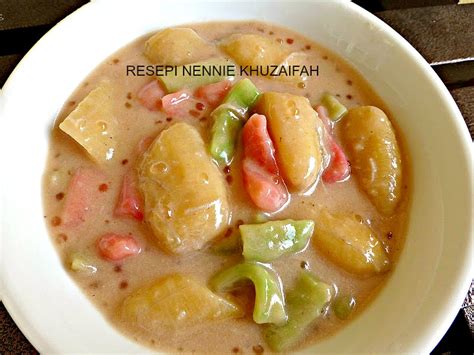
422	297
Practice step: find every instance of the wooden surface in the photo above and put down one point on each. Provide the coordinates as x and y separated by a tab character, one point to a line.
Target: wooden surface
445	23
441	30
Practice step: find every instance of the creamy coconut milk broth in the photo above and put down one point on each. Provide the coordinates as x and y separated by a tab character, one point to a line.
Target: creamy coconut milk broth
108	279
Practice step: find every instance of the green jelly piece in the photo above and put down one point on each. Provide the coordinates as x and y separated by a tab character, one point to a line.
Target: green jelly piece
228	245
336	110
242	97
225	132
343	306
269	301
229	118
305	303
80	262
268	241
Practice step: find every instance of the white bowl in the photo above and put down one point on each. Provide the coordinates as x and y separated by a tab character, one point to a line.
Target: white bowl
424	294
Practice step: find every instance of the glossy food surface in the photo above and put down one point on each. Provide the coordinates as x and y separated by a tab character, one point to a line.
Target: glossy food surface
185	195
293	126
350	243
176	301
185	249
254	50
375	157
93	125
176	46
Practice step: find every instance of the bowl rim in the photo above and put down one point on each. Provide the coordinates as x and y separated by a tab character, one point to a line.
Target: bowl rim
444	317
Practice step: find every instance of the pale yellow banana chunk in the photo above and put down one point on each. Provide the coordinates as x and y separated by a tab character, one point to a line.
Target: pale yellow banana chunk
176	301
185	195
177	46
350	243
373	151
253	49
93	125
292	124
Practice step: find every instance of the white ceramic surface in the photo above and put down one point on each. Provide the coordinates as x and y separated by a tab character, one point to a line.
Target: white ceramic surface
424	294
